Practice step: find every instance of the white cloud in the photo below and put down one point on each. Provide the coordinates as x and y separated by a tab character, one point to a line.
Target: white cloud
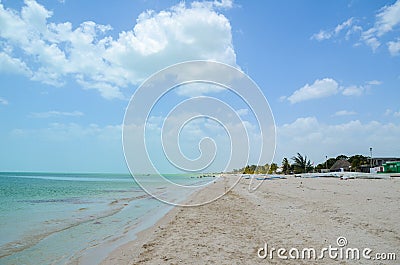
198	89
3	101
328	87
321	35
319	89
51	51
353	30
361	89
242	112
54	113
245	137
223	3
394	47
63	146
386	20
316	139
344	25
353	91
12	65
373	42
390	112
327	34
71	132
344	113
374	82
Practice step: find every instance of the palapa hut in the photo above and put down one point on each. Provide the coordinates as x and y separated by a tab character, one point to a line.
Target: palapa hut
340	165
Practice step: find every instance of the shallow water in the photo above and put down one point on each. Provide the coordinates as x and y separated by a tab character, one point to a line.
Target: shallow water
52	218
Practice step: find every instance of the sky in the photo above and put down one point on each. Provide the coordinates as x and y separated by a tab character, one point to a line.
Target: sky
330	71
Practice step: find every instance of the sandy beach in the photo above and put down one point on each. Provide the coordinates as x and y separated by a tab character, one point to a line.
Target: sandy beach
292	213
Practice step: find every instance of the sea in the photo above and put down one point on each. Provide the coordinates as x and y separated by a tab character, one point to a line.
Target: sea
62	218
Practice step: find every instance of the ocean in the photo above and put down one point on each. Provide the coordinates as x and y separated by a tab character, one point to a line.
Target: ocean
56	218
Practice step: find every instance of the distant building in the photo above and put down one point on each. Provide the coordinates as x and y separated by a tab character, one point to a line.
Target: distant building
378	162
340	166
391	167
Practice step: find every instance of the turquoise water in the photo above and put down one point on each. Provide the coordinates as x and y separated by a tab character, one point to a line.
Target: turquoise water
54	218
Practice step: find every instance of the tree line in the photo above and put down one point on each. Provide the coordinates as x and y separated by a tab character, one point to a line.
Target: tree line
302	164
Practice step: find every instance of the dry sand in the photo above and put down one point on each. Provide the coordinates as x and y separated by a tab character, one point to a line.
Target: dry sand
284	213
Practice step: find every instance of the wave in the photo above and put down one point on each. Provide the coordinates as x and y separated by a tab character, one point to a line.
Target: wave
30	240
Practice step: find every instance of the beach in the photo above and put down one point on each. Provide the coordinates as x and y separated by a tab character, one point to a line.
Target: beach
337	218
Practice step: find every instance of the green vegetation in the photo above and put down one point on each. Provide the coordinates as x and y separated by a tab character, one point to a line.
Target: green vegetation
301	164
256	169
356	162
286	167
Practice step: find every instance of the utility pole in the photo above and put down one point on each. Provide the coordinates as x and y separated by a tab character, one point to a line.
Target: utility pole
326	162
370	150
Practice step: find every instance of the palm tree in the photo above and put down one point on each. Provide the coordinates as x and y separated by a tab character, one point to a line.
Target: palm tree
301	164
272	169
285	165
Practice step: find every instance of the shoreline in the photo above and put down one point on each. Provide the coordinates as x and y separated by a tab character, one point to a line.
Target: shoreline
297	212
134	234
125	253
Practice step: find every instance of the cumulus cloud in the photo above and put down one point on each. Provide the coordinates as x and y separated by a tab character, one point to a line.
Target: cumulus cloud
353	91
223	3
319	89
328	87
54	113
12	65
51	51
316	139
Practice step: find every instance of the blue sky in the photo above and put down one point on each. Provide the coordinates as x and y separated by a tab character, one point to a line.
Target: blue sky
329	69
